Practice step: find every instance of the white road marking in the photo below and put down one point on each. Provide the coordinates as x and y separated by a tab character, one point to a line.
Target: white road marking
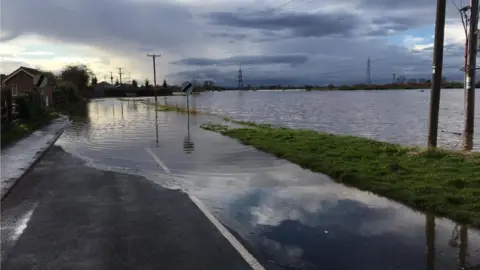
237	245
23	223
162	165
230	238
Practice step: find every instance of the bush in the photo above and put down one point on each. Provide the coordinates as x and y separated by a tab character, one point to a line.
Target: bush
29	105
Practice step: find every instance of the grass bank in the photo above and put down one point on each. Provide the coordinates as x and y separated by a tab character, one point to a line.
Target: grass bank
16	131
169	108
131	99
443	182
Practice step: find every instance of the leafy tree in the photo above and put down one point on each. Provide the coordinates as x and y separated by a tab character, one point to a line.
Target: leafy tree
164	85
147	83
134	83
78	75
51	77
94	81
117	83
69	91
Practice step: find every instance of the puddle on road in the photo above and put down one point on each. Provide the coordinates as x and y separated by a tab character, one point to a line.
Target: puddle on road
289	217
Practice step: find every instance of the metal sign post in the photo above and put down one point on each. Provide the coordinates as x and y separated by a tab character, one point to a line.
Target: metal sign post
187	88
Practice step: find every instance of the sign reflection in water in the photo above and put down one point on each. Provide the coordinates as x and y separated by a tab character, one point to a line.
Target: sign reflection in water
188	144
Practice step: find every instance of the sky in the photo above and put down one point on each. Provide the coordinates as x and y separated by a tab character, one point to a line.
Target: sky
275	42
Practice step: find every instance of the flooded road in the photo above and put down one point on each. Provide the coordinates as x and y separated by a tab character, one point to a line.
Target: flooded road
285	216
396	116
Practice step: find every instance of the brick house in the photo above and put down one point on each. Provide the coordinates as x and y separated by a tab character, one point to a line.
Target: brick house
22	80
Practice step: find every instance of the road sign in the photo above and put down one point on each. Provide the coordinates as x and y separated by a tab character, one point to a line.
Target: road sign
187	87
40	80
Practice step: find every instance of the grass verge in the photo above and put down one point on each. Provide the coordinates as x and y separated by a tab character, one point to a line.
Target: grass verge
131	99
176	108
443	182
17	131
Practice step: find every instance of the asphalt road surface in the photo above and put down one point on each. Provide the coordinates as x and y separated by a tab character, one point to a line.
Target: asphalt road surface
64	215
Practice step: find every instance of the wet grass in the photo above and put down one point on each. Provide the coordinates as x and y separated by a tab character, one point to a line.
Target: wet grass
443	182
168	108
131	99
18	130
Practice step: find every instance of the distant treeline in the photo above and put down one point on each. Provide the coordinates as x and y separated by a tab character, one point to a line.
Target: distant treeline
361	86
426	85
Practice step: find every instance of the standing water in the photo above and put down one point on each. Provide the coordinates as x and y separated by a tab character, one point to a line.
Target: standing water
396	116
287	217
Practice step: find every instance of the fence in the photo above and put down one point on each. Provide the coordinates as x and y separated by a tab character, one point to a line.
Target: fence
11	106
7	108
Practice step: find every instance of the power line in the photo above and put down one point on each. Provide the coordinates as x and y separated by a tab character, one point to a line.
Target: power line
369	79
120	75
240	78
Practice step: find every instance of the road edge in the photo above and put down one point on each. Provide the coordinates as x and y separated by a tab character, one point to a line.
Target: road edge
11	184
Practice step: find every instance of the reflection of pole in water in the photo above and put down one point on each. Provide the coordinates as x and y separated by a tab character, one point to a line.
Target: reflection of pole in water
188	144
96	109
463	248
121	106
430	237
156	125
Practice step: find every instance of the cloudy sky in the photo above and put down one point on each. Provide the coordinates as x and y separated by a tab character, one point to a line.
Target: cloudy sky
281	41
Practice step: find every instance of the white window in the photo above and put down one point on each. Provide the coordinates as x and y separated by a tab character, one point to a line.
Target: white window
14	90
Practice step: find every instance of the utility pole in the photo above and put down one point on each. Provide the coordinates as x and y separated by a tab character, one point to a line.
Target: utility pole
154	56
120	74
111	77
470	80
240	78
393	78
369	79
437	73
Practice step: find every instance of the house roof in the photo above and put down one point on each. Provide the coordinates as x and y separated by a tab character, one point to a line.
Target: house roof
29	71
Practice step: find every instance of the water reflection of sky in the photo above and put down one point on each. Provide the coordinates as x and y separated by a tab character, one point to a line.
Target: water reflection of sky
291	217
325	226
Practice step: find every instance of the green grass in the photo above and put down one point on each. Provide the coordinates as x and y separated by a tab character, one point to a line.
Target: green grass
167	108
17	131
131	99
443	182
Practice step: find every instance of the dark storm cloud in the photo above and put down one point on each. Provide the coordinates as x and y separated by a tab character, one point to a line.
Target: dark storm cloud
298	24
226	35
396	24
316	44
396	4
146	24
245	60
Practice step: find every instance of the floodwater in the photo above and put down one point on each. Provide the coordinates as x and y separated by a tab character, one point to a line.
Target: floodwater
396	116
287	217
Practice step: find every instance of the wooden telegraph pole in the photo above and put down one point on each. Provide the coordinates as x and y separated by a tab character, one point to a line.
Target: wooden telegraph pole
470	78
154	57
437	73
